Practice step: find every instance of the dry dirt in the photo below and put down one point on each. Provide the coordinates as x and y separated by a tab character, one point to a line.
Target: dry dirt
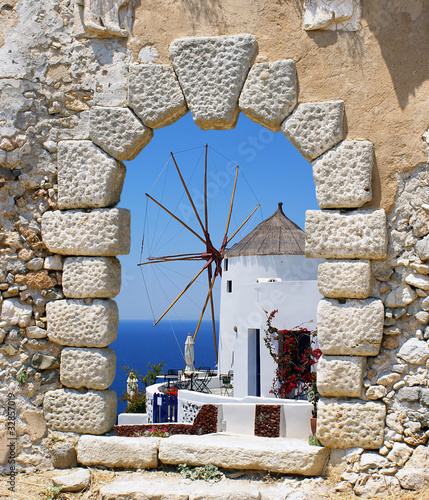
32	486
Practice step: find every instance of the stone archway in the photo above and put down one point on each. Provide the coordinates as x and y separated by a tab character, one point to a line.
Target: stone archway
215	78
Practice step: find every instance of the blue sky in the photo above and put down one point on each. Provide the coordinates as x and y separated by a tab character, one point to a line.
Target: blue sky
270	170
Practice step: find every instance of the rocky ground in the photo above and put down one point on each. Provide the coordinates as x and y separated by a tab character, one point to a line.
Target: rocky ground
36	486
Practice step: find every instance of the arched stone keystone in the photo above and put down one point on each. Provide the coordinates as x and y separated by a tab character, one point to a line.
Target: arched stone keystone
90	368
315	127
103	231
354	328
211	72
79	324
91	412
345	279
354	235
270	93
340	376
87	176
118	132
97	277
350	423
343	175
154	94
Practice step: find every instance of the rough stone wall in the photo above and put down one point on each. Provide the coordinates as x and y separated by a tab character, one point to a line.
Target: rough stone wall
59	92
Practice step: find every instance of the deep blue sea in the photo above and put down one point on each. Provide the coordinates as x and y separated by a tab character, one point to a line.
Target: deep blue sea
140	343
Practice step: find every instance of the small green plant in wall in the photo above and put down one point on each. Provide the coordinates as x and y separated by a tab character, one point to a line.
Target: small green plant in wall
52	492
207	472
22	376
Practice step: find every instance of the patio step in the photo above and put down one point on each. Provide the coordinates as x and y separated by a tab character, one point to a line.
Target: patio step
230	451
172	488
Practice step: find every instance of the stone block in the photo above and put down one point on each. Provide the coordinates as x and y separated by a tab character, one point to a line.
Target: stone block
87	367
414	351
44	362
77	480
103	231
240	452
118	132
14	312
422	248
154	94
315	127
344	279
354	328
91	412
350	423
93	277
354	235
35	332
87	176
63	455
115	451
79	324
343	175
340	376
400	296
270	93
211	72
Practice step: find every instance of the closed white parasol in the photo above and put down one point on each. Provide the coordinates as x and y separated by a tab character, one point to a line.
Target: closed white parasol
189	354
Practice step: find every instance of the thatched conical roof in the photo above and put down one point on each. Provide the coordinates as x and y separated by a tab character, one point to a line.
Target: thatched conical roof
276	235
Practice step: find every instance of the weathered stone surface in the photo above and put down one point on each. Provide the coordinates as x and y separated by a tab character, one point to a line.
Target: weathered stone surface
350	423
87	176
77	480
340	376
75	323
96	277
344	279
418	281
376	392
343	175
400	453
355	235
332	15
89	367
422	248
400	296
115	451
211	72
103	231
53	262
15	312
35	332
63	455
36	424
270	93
91	412
239	452
411	479
353	328
39	280
414	351
154	94
315	127
44	362
118	132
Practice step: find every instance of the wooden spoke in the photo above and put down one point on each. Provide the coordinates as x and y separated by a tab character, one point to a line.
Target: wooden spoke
187	192
213	321
229	239
177	259
176	218
232	201
204	307
180	295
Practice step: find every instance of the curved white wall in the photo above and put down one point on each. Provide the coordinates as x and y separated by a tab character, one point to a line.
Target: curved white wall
242	312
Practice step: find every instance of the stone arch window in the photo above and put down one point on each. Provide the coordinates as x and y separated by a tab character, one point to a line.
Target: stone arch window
215	78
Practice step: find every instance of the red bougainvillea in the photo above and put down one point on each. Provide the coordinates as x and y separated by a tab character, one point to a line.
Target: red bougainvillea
293	352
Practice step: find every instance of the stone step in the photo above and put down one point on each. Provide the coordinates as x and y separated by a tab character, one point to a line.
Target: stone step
229	451
173	488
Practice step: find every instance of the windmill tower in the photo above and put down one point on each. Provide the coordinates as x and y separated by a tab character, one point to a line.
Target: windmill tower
266	270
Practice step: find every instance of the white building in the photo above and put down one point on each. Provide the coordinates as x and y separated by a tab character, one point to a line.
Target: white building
264	271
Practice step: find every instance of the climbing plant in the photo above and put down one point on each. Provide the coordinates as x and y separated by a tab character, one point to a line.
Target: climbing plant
294	354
